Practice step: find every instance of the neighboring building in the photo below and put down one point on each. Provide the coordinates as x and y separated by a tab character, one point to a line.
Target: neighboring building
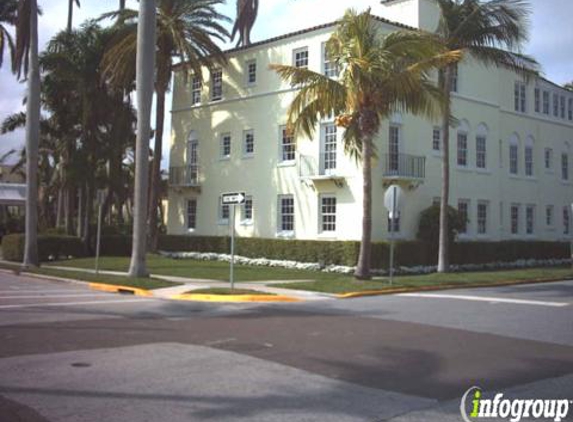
511	153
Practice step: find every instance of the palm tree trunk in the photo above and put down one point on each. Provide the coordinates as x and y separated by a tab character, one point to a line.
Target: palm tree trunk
444	240
156	171
145	69
70	15
32	139
364	257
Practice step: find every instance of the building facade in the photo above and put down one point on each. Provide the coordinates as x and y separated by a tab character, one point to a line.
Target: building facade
510	151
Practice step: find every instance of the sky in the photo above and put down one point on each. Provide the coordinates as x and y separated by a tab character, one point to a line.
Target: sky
551	39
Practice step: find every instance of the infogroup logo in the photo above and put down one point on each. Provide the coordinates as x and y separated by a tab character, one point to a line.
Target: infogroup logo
474	407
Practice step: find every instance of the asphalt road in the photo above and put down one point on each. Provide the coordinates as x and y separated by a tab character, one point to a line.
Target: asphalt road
71	354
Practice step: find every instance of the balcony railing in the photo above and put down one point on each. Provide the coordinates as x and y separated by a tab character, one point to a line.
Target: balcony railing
184	176
403	166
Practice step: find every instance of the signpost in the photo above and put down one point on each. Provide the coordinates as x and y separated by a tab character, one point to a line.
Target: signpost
392	202
101	195
232	200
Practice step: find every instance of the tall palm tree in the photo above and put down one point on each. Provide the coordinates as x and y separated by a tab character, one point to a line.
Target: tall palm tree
186	29
247	11
8	13
379	75
490	32
26	61
71	13
145	69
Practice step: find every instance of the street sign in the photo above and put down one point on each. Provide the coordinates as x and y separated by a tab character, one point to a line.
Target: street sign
234	198
100	196
392	202
393	199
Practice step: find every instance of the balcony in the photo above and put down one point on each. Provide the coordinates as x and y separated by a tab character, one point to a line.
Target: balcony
184	176
310	169
403	167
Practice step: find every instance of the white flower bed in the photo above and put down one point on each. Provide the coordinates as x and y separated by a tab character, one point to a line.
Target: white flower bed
340	269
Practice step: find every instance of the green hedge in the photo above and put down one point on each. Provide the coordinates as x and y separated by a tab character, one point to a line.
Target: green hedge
408	254
48	246
115	245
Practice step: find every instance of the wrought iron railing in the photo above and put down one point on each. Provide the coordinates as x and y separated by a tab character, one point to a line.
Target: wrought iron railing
184	176
403	166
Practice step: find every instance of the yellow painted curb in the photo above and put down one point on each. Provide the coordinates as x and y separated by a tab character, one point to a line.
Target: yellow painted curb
233	298
113	288
396	290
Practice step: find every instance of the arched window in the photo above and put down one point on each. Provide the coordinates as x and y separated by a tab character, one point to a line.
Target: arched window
481	146
514	154
462	143
528	155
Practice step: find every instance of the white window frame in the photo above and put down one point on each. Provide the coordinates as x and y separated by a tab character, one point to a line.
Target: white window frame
216	84
537	100
550	216
196	87
327	219
565	166
529	157
191	214
520	97
555	105
249	134
514	157
562	108
221	212
514	219
244	208
300	62
530	220
437	139
286	149
328	148
481	151
329	67
462	149
570	109
455	78
281	230
223	154
485	205
249	74
566	220
548	158
464	209
546	102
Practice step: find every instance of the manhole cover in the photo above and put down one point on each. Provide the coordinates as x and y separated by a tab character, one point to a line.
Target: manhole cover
81	365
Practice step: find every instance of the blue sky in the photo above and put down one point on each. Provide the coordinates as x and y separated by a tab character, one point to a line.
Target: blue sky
551	40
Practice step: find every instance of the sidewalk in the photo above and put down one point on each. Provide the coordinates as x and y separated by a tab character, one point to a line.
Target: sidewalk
189	284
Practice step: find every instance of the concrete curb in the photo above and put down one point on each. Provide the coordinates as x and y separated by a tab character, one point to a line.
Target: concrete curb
234	298
115	288
397	290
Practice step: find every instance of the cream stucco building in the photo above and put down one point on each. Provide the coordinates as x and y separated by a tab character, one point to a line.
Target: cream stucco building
511	153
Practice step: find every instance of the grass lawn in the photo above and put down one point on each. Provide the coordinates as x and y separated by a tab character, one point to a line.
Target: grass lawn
227	291
348	284
141	283
210	270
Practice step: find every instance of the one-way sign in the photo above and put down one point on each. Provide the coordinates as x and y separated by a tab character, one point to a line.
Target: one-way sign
233	198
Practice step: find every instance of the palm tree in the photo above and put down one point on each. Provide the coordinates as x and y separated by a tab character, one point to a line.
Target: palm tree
379	75
186	29
145	69
8	13
26	61
71	12
247	11
489	32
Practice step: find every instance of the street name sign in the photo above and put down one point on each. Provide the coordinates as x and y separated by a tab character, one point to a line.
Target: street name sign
233	198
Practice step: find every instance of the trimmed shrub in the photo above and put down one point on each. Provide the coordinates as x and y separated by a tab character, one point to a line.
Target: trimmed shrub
49	247
114	245
407	253
429	226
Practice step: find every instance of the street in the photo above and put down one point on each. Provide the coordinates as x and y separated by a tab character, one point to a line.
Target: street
70	354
